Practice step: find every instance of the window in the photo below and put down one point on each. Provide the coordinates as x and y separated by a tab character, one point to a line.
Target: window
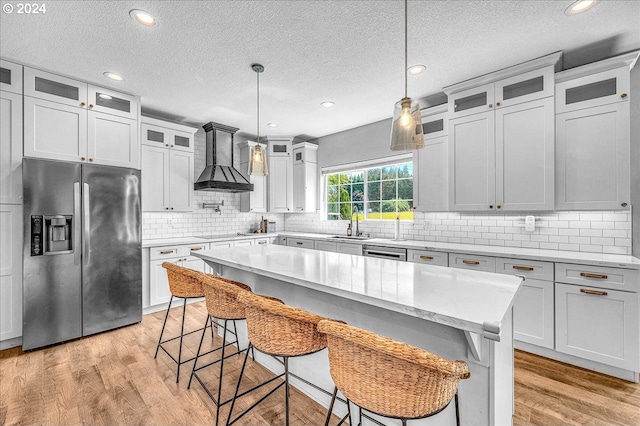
379	193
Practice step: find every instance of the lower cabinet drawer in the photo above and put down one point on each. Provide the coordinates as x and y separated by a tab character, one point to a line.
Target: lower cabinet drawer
166	252
471	261
533	313
534	269
300	242
326	246
349	248
598	276
598	324
428	257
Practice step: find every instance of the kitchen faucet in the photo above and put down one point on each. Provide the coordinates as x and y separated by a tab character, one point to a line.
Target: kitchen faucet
355	209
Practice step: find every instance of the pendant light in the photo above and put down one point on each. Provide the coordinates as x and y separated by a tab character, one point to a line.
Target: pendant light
406	127
258	162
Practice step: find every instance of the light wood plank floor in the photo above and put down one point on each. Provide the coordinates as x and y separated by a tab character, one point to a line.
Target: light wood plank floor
113	379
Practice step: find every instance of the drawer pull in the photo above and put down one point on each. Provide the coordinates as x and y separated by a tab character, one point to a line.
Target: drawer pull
426	257
299	243
594	292
522	268
166	251
262	242
598	276
471	262
196	248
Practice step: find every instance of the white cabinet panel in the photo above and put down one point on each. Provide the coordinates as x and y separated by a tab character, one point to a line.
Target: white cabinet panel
530	269
155	178
10	148
533	313
598	276
472	261
159	282
180	180
349	248
53	130
112	140
472	162
10	271
593	90
305	178
54	88
326	246
600	325
300	242
430	175
240	243
10	77
525	152
428	257
107	101
280	184
592	158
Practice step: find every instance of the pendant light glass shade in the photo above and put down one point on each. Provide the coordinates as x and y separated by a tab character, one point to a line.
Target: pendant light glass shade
406	127
258	160
258	164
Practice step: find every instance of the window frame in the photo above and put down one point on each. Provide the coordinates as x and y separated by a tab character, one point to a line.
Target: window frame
363	166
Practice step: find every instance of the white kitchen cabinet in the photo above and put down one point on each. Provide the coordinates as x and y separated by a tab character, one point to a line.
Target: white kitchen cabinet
533	313
300	242
430	190
305	177
241	243
280	175
593	145
428	257
501	139
253	201
10	148
167	166
10	271
69	120
10	77
599	325
349	248
472	261
325	246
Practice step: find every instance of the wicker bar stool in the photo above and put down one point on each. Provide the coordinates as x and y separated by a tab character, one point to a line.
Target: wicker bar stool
186	284
281	331
387	377
221	300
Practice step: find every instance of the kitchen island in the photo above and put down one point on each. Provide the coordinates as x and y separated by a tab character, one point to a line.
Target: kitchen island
457	314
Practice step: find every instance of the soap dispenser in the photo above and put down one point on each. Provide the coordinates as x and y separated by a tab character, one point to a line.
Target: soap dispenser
349	230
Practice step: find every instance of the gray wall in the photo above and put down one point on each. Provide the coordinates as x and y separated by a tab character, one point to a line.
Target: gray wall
362	143
635	160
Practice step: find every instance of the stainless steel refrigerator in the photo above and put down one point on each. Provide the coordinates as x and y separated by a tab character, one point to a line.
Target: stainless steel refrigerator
82	250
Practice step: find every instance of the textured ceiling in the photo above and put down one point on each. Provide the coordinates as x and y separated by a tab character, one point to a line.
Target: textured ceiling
195	65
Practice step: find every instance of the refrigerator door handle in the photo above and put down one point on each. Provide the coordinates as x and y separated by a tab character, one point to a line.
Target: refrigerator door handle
76	223
86	235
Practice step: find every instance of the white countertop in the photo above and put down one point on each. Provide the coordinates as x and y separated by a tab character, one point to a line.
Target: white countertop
467	300
612	260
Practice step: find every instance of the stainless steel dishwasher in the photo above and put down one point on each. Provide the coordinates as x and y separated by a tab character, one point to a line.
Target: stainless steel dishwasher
393	253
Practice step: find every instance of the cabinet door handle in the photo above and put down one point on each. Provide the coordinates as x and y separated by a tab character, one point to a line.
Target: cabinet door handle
167	251
490	105
497	103
196	248
624	95
82	104
471	262
262	242
594	292
82	158
623	204
598	276
522	268
498	206
490	206
426	257
299	243
90	105
90	159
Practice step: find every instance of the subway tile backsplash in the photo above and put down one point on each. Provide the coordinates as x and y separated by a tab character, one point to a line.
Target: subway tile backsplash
597	232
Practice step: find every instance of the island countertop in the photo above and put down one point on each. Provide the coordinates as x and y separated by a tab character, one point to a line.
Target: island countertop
472	301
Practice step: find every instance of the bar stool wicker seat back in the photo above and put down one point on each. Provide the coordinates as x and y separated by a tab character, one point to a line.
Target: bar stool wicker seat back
184	283
390	378
222	305
281	331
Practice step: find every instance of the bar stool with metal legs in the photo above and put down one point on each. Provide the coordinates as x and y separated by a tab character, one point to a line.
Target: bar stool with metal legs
221	300
387	377
281	331
186	284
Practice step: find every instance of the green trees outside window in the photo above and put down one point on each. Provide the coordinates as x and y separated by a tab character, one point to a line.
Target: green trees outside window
379	193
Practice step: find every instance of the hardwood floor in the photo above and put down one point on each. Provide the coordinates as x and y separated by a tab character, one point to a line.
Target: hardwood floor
113	379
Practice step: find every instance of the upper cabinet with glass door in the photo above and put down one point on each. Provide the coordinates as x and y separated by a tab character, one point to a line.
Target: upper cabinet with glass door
168	135
521	83
10	77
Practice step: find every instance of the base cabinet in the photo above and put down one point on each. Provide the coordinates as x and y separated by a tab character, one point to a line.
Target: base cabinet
533	313
10	271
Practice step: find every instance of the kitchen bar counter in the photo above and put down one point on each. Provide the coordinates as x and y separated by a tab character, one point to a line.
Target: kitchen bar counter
159	242
458	314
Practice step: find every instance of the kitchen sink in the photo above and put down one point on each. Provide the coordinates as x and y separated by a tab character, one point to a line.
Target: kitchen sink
347	237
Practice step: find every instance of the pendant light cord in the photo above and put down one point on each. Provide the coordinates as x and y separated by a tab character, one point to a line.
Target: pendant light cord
405	47
258	114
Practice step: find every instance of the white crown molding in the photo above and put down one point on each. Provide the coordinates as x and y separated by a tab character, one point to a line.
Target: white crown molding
625	60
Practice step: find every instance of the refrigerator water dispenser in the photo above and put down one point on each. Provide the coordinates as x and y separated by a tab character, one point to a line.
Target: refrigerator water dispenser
58	234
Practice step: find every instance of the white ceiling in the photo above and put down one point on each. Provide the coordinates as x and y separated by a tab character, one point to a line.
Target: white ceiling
195	65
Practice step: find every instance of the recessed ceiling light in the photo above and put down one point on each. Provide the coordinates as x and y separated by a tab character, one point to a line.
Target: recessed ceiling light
104	96
579	6
272	124
327	104
416	69
113	76
143	18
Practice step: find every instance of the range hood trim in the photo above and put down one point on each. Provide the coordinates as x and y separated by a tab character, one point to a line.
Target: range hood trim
217	177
